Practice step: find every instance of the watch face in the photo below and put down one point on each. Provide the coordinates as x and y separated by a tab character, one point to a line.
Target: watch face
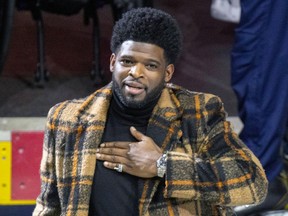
162	161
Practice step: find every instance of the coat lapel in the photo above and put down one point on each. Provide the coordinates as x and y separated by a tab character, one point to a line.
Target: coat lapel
165	129
91	116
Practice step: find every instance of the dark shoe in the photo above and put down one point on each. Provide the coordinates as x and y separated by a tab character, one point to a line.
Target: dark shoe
277	199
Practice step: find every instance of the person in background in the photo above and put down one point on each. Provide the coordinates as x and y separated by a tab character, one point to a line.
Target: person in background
260	81
142	145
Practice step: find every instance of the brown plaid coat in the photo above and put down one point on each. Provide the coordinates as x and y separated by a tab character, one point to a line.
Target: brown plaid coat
209	169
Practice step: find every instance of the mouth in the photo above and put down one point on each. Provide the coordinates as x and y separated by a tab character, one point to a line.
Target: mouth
134	88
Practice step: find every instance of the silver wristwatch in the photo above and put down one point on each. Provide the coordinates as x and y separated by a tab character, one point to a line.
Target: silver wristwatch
161	165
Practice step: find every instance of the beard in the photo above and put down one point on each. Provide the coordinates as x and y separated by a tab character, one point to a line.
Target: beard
131	102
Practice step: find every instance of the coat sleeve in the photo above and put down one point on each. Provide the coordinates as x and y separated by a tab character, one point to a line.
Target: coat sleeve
47	203
216	167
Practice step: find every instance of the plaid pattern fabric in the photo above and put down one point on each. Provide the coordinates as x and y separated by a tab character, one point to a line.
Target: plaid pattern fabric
208	168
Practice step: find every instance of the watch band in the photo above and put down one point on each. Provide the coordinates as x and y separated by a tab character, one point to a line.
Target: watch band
161	165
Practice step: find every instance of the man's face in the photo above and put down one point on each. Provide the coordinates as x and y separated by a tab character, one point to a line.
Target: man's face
139	73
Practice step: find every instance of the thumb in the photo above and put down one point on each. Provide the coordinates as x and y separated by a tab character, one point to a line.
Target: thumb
137	134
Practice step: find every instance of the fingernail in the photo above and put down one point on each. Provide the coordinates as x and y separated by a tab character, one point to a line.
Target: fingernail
98	155
97	150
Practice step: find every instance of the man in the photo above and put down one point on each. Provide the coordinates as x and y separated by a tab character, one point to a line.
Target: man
141	145
260	81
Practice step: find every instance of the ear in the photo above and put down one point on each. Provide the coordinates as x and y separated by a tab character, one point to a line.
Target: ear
169	72
112	62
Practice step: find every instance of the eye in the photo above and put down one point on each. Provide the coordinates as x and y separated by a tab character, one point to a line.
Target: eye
151	66
126	62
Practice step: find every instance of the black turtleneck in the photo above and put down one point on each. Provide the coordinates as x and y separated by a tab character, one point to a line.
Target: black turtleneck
116	193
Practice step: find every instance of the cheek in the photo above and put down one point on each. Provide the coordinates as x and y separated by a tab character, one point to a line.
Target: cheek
156	81
119	75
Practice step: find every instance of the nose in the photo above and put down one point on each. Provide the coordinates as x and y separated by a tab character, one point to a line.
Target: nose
136	71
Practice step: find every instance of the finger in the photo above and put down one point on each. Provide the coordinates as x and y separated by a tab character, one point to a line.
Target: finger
137	134
112	151
112	159
109	158
114	166
111	165
115	145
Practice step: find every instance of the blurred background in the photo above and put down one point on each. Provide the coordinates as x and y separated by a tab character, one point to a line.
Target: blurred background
203	66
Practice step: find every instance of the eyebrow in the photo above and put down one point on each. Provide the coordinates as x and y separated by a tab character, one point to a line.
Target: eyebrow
126	56
147	60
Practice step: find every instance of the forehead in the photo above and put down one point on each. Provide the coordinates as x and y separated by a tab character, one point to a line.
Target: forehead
133	49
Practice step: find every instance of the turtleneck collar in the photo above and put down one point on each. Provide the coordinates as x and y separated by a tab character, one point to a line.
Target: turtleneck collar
139	116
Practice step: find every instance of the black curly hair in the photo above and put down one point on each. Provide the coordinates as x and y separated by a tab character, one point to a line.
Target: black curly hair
149	25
